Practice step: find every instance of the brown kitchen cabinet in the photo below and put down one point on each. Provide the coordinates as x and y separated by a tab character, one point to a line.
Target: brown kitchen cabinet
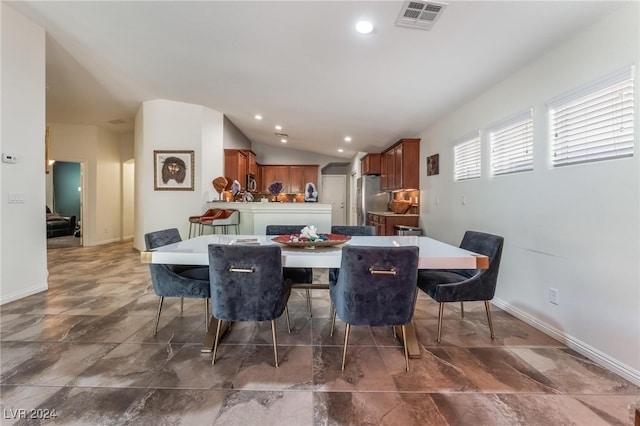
370	164
294	178
400	165
235	167
385	224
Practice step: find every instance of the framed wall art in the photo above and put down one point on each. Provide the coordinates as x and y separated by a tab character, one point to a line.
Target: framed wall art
433	164
173	170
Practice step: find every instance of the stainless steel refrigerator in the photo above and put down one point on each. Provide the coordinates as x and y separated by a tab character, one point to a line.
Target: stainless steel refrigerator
370	197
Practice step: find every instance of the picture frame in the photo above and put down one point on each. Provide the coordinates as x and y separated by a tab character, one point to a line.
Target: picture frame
433	165
173	170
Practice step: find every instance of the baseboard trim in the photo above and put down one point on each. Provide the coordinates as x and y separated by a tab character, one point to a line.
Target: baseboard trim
579	346
24	293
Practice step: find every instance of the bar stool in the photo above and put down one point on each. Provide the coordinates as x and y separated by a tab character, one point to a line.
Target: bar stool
221	217
195	220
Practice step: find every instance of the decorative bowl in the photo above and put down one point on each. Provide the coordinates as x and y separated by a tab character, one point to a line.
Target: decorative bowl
293	240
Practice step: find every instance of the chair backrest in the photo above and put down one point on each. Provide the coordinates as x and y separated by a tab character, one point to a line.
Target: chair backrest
354	230
377	285
247	282
157	239
284	229
489	245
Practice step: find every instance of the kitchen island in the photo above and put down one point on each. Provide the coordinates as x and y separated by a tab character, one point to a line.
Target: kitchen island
255	216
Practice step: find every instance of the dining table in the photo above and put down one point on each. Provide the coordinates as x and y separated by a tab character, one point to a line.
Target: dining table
432	253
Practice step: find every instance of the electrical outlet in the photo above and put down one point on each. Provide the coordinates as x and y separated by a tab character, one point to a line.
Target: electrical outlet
554	296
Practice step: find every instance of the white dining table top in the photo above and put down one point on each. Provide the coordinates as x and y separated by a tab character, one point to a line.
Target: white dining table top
433	254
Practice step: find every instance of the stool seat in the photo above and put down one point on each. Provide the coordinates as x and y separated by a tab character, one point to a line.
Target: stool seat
223	218
195	220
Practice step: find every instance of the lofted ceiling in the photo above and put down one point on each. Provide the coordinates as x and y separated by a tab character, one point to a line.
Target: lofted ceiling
299	64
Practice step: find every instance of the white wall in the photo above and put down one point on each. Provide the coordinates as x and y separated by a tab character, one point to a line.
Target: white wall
574	228
108	199
22	226
168	125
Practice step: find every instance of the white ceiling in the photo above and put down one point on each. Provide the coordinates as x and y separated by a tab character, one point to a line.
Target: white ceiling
298	64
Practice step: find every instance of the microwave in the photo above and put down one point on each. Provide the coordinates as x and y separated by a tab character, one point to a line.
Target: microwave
252	186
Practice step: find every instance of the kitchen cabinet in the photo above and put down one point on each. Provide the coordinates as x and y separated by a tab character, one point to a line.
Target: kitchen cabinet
294	178
370	164
385	223
400	165
235	167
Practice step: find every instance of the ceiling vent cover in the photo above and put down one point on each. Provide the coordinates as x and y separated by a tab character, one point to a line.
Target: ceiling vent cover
420	14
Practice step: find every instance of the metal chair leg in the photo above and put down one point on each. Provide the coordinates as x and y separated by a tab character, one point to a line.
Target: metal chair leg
346	342
155	331
309	302
406	350
440	321
488	309
215	342
275	341
462	309
286	312
333	320
206	314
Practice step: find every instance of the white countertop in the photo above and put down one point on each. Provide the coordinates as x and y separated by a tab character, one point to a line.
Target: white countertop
394	214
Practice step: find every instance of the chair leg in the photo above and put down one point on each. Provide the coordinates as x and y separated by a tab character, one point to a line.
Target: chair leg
406	350
215	342
346	342
488	309
181	305
440	321
155	331
462	309
333	319
275	341
206	315
286	312
309	302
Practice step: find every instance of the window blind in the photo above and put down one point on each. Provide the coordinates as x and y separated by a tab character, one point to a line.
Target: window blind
467	159
595	122
512	144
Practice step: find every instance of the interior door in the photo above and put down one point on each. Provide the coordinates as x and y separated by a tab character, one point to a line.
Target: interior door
334	192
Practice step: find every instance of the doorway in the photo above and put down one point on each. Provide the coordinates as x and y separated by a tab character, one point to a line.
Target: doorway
334	192
64	195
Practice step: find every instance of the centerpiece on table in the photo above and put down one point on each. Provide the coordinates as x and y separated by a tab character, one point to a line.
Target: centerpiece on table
275	189
309	237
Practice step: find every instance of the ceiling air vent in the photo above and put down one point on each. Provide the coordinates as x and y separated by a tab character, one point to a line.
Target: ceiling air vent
116	121
420	14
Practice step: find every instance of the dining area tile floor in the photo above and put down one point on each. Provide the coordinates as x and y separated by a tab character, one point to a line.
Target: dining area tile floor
84	353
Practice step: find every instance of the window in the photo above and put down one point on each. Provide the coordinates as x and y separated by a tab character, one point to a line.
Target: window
512	144
595	122
467	158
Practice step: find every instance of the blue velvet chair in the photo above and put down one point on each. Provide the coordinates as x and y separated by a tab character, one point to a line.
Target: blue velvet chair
376	287
466	285
350	230
300	277
247	284
176	280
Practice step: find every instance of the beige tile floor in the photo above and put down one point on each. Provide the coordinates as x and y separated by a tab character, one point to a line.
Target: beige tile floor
85	351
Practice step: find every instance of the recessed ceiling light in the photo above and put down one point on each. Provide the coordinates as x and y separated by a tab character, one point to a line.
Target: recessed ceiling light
258	117
364	27
278	127
340	150
347	139
283	140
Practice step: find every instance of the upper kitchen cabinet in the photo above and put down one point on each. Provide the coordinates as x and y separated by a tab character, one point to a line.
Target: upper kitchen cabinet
370	164
294	178
235	167
252	165
400	165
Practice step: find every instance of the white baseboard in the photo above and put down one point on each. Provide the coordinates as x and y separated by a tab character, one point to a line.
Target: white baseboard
23	293
577	345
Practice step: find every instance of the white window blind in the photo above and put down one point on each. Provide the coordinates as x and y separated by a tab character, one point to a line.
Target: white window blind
595	122
512	144
467	158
